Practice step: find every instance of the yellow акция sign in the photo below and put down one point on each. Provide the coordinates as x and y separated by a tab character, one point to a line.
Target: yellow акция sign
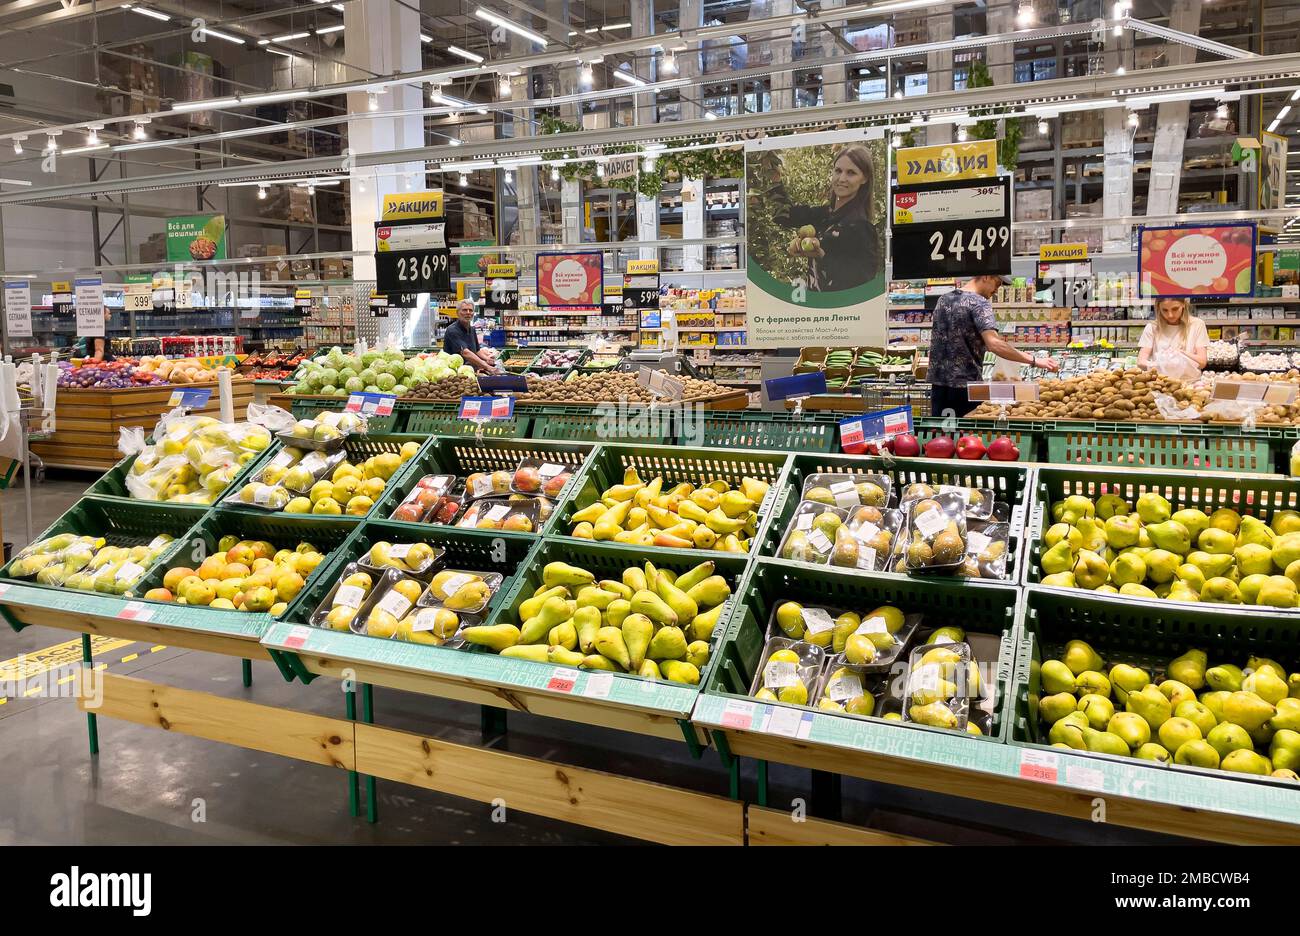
410	206
1056	253
947	162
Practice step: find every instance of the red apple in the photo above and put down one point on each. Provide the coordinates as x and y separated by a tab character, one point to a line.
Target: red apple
906	446
554	485
941	446
1003	449
971	447
528	480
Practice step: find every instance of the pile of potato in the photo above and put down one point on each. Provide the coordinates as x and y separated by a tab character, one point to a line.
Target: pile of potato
181	370
611	387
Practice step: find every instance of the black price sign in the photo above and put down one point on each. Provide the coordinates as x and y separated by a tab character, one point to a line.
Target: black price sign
640	291
501	292
952	229
414	271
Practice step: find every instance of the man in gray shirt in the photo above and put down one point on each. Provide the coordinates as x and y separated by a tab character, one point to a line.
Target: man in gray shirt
962	328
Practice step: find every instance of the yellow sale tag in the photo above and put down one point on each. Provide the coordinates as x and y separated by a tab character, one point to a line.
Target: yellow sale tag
411	205
502	271
1059	252
61	286
642	266
948	162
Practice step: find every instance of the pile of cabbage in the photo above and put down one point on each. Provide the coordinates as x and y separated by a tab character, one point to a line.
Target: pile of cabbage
338	374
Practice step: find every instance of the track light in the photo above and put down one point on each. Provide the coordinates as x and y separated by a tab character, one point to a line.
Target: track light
1025	13
373	101
1133	119
510	177
1120	70
1221	112
503	87
92	136
226	36
18	145
1043	128
465	54
50	145
261	193
152	14
896	140
585	75
961	134
138	133
464	180
555	172
669	64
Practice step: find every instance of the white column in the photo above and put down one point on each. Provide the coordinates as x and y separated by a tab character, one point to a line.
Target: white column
1171	119
939	71
690	16
782	54
1000	18
833	76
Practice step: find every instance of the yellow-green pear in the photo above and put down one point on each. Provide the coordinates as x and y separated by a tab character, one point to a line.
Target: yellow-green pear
1197	714
1285	521
1278	592
675	598
618	588
1197	754
594	661
1112	505
649	669
1224	678
1262	736
1058	559
701	628
668	643
789	617
591	596
563	656
1099	710
1128	569
652	606
637	632
1216	542
586	621
1175	732
1225	737
1214	701
1192	576
1286	549
1152	752
1075	508
1130	727
1293	685
937	715
531	606
859	649
1287	716
709	591
679	671
1107	590
1090	569
1247	710
495	637
561	573
1091	682
1053	708
563	635
1153	508
1284	750
634	579
1265	684
1193	520
1056	677
1144	539
538	653
1281	773
1226	519
1221	590
1244	761
692	577
1255	531
1069	730
1163	590
1080	657
1103	742
1122	531
1258	663
1189	669
1063	532
1060	580
1181	591
535	629
609	644
697	654
1177	692
1151	704
1093	533
1212	566
1162	565
1125	679
1137	590
1250	586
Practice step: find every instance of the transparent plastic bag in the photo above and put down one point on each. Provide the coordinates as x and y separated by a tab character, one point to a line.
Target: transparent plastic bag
1169	408
130	440
150	478
274	418
1177	365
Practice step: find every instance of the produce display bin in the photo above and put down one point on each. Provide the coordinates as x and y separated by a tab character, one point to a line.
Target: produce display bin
635	423
432	418
807	432
112	483
1028	441
1150	635
1181	451
676	464
1261	497
309	407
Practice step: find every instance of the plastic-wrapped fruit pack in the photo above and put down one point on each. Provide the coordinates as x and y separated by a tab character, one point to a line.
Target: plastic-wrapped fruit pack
194	459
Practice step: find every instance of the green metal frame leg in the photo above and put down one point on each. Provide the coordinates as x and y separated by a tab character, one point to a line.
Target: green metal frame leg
368	716
762	783
92	720
733	779
354	793
247	668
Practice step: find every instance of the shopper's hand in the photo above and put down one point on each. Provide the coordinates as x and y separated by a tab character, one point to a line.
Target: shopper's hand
1050	365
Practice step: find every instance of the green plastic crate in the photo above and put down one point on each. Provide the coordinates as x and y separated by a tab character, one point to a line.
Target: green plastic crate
112	483
676	464
284	531
310	407
815	432
122	523
988	609
1262	497
1141	634
633	423
1028	441
444	419
477	550
1176	449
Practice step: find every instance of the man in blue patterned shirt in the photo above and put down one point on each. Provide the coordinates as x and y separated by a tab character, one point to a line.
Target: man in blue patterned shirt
962	328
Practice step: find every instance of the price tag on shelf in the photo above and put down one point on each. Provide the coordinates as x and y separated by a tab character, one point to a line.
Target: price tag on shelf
1003	391
598	685
661	384
502	383
796	387
738	714
194	399
1040	766
1255	391
485	408
297	638
562	680
136	611
371	404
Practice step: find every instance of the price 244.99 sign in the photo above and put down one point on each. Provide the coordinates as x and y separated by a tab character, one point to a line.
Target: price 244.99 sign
951	229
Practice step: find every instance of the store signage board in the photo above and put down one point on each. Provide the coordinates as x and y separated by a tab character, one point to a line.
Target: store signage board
1255	391
1197	261
947	162
642	267
1003	391
422	270
502	383
657	696
640	291
1061	253
621	167
502	288
408	206
137	293
89	300
966	242
796	387
371	404
487	407
411	235
196	237
378	305
858	431
660	384
196	398
302	298
18	309
567	280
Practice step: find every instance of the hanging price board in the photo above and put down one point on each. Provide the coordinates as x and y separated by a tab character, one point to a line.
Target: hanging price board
502	383
661	384
18	309
501	292
61	296
378	305
193	399
137	293
302	298
951	229
371	404
89	299
411	254
859	431
487	407
796	387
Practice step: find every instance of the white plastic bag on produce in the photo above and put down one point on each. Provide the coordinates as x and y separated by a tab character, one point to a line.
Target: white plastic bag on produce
275	418
176	423
1295	460
1168	407
130	440
150	477
1177	365
1241	411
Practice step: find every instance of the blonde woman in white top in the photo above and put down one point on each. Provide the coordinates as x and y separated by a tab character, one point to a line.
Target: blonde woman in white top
1175	339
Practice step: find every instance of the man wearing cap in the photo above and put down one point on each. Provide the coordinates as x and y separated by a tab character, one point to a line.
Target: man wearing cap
962	328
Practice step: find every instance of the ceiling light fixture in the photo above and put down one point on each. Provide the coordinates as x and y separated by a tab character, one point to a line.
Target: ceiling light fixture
1025	15
498	20
668	64
212	104
709	115
226	36
510	177
1133	119
464	180
279	52
425	37
272	97
18	145
92	135
138	133
261	193
648	164
1043	128
311	188
614	26
555	171
896	140
1221	112
503	87
628	77
961	134
372	101
330	29
586	76
1120	70
466	54
152	14
289	37
50	145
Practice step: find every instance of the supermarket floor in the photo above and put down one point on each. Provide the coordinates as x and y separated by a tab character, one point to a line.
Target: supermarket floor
146	787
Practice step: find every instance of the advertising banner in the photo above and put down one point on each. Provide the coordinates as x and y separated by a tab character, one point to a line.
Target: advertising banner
570	279
1272	170
89	293
18	309
1197	261
816	248
196	237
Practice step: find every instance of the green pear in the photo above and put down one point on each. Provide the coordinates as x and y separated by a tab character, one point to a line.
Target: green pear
495	637
1258	663
1103	742
1164	589
1091	682
1255	531
1253	559
617	612
561	573
586	621
1175	732
680	671
1144	538
1181	591
1214	702
1153	508
1080	657
1122	531
1058	559
1053	708
1226	737
1211	566
668	643
609	644
702	627
592	597
1284	750
1151	704
1170	536
531	606
1193	519
1250	586
1221	590
1125	679
1278	592
1286	549
1285	521
1106	590
1112	505
1060	580
1152	752
1131	727
1093	533
1226	519
1090	570
709	591
1216	542
561	656
1162	565
1056	677
1128	569
677	600
652	606
1189	669
1287	717
1262	736
563	635
1265	684
1197	714
688	580
1247	710
1177	692
1069	730
1099	710
594	661
1224	678
637	632
1192	576
697	654
1075	508
1244	761
649	669
1059	532
538	653
1137	591
1197	754
1281	773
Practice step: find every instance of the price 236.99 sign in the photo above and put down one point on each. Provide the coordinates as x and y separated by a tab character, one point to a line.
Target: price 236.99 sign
412	257
951	229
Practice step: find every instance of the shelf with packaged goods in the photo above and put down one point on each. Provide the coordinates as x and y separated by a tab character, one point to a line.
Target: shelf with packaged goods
1294	322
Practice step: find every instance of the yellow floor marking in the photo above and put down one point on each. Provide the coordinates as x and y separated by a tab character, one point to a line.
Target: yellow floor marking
157	648
66	679
3	700
32	691
129	657
33	664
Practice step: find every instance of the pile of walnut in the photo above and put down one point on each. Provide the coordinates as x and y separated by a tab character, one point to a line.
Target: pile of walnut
1119	396
610	388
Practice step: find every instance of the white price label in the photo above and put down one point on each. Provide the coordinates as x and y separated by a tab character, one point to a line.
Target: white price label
454	584
498	511
819	541
780	673
817	621
846	498
954	489
847	686
549	470
283	459
930	523
315	462
976	542
481	487
128	572
1089	778
804	522
873	625
161	539
866	530
785	721
395	603
425	620
866	557
262	496
349	596
399	550
598	685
